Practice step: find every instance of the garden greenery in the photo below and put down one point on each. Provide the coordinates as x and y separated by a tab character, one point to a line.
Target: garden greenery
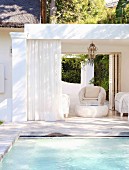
1	122
71	70
89	12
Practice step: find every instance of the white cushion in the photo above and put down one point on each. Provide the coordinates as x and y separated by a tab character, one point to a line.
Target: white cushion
92	92
91	111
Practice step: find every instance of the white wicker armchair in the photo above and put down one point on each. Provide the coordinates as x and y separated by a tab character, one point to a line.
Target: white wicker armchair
122	103
92	95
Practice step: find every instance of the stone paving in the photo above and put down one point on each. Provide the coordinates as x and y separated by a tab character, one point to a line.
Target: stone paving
75	126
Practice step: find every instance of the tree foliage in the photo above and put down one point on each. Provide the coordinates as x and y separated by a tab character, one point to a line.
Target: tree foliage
122	12
101	74
87	12
80	11
71	70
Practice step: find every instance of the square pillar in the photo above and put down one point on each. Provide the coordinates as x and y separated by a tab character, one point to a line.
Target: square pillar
87	73
18	77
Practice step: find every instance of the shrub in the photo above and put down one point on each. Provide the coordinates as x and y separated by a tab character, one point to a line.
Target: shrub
71	70
101	75
1	122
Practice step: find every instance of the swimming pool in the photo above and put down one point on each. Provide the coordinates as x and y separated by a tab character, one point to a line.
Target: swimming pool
68	154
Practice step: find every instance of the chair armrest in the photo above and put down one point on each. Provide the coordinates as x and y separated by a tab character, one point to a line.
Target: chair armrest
81	94
102	96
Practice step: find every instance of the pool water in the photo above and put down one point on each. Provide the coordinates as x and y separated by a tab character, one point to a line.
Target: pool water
68	154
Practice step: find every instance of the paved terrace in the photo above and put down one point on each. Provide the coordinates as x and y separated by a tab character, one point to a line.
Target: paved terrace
75	126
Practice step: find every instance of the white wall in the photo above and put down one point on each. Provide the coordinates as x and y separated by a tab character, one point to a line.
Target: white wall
19	96
87	73
125	70
6	60
72	90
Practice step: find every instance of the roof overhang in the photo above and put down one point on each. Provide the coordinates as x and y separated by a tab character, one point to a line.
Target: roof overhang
77	31
75	38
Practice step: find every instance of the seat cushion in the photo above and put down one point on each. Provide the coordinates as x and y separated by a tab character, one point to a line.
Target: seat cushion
91	111
92	92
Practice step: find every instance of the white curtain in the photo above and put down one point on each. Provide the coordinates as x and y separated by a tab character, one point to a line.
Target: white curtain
44	80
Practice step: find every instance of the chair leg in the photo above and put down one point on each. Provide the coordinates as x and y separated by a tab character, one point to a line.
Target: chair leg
121	114
65	115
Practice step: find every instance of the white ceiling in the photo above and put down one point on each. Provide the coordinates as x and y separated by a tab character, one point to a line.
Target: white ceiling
97	42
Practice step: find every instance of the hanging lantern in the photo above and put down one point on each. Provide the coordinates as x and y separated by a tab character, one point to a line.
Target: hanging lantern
92	51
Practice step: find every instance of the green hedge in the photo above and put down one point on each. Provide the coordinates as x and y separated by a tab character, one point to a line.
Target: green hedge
101	74
1	122
71	70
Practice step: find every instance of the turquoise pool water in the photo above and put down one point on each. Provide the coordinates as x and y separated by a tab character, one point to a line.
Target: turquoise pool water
68	154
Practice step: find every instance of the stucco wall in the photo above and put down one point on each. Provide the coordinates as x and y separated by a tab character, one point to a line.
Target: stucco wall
72	90
125	70
6	60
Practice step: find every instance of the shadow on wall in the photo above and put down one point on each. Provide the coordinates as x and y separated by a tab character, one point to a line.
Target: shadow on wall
6	110
18	84
20	11
19	80
71	89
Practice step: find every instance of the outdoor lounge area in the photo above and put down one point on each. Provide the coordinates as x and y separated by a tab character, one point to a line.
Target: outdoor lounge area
64	85
40	64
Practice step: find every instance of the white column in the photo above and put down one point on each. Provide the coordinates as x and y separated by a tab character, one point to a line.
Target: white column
111	82
87	73
18	77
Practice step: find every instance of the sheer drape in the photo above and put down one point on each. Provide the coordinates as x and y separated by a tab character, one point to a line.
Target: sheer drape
44	80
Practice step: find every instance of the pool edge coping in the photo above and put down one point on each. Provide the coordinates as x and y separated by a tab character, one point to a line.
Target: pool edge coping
8	148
